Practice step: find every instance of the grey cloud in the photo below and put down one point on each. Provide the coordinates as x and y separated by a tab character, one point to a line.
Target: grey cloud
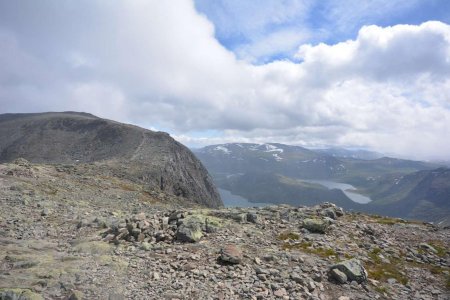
158	63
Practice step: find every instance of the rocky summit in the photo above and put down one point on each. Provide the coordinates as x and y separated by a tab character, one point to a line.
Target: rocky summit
70	231
139	155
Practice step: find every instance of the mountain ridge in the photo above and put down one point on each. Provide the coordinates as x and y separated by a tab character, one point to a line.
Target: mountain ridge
153	158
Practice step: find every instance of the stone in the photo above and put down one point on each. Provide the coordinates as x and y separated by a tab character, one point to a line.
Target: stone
45	212
338	276
231	254
296	277
165	223
428	247
353	269
392	281
252	217
329	212
18	294
76	295
311	285
316	225
156	276
190	232
280	292
146	246
139	217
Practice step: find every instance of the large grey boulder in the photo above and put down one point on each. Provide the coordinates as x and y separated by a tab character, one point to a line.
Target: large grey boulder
191	230
316	225
352	268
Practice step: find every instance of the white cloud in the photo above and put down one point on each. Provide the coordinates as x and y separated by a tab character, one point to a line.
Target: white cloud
158	63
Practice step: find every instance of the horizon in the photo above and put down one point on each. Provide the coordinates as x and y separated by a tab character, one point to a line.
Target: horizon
373	76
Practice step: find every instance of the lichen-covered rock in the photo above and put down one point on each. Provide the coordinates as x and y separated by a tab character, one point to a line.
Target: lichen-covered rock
316	225
353	269
190	230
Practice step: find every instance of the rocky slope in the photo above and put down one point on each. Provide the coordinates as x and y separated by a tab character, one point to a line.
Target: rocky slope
70	232
140	155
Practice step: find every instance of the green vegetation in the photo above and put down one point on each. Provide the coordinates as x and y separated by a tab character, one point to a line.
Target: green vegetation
387	220
439	246
381	289
307	248
382	271
288	236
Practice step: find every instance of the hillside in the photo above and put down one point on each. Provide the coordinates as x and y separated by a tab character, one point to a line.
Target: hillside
276	173
422	195
68	232
137	154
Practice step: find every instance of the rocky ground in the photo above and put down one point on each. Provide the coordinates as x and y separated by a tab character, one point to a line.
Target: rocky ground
75	232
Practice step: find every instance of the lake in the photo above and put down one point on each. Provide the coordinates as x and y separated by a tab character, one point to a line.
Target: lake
230	200
345	187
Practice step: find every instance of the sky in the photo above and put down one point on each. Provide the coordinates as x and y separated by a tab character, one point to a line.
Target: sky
371	74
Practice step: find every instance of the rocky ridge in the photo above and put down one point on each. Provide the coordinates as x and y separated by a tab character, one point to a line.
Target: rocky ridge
67	232
143	156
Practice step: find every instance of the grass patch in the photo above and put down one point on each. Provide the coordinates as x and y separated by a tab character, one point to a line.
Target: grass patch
381	289
288	236
439	246
127	187
297	246
306	247
348	256
382	271
388	221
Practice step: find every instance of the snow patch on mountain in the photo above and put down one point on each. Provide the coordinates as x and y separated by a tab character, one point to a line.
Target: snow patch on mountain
223	149
276	157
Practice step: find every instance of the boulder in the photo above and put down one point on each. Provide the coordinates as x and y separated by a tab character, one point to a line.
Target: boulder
338	276
231	254
329	212
316	225
352	268
252	217
190	230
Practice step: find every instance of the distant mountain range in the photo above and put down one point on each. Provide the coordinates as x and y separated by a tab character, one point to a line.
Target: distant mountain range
350	153
278	173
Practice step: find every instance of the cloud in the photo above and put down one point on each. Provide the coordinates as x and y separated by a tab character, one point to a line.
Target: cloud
158	64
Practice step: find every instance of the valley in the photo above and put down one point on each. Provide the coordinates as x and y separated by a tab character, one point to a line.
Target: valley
277	173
